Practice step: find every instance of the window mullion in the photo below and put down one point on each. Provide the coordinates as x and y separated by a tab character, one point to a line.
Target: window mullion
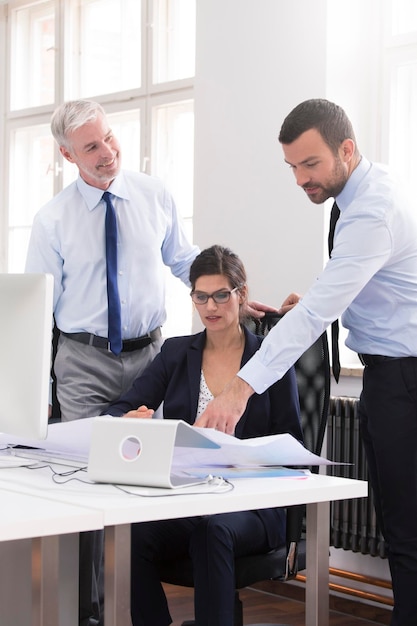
147	64
60	51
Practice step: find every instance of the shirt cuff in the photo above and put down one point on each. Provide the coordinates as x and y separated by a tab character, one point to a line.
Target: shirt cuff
257	375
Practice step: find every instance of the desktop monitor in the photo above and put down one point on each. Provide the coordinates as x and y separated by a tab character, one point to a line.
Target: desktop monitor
25	353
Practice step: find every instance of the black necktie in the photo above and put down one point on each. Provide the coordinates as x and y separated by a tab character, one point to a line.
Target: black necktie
113	300
334	216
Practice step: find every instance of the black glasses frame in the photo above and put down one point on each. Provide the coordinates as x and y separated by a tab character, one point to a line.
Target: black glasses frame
222	296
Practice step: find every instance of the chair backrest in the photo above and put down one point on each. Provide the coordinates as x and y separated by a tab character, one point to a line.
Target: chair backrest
313	379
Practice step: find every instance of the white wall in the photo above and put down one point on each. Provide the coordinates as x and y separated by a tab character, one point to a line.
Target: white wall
255	61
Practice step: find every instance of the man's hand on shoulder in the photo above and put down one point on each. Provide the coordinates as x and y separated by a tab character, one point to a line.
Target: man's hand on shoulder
289	303
224	412
258	309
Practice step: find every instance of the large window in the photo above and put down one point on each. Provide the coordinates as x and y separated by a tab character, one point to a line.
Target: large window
137	59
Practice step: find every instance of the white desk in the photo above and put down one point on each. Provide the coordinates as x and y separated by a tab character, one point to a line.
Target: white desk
36	597
120	510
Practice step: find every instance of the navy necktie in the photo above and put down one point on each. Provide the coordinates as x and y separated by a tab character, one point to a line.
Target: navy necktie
334	216
113	300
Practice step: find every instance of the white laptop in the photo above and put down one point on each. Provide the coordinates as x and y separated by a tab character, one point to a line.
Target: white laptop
141	451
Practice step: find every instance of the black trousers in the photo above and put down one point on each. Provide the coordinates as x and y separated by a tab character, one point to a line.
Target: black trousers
388	418
212	542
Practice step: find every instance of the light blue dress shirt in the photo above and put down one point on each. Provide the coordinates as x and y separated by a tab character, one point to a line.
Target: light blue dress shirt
370	280
68	241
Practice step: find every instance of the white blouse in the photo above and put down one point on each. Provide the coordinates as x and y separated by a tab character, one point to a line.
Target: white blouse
205	396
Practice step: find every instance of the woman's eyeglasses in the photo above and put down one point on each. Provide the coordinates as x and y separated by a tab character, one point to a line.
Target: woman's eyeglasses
220	297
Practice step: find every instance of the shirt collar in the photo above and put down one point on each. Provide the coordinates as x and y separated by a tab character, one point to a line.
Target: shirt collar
93	195
347	194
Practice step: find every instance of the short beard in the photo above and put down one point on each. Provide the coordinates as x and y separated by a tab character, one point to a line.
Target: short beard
334	186
338	180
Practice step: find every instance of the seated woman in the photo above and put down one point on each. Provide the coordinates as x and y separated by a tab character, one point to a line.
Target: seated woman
186	375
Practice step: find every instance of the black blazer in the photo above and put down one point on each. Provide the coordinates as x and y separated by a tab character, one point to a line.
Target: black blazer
174	378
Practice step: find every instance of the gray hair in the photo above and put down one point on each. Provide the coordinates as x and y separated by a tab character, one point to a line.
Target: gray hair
71	115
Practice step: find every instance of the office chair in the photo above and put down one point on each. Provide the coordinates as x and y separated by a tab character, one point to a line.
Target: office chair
313	379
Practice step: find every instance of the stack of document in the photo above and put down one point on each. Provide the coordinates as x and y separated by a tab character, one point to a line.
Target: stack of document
159	452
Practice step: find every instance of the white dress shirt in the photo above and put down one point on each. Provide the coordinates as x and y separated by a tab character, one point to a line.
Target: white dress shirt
371	279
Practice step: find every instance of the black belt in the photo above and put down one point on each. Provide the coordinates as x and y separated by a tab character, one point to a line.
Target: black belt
129	345
376	359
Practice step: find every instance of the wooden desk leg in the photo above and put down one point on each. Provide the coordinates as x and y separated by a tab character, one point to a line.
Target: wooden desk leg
317	572
55	580
117	575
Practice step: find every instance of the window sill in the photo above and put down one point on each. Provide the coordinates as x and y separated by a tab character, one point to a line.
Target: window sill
352	370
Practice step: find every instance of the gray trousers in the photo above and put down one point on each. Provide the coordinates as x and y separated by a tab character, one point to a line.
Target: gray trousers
89	379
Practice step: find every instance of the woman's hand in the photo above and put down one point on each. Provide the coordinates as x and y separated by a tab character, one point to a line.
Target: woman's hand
141	411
